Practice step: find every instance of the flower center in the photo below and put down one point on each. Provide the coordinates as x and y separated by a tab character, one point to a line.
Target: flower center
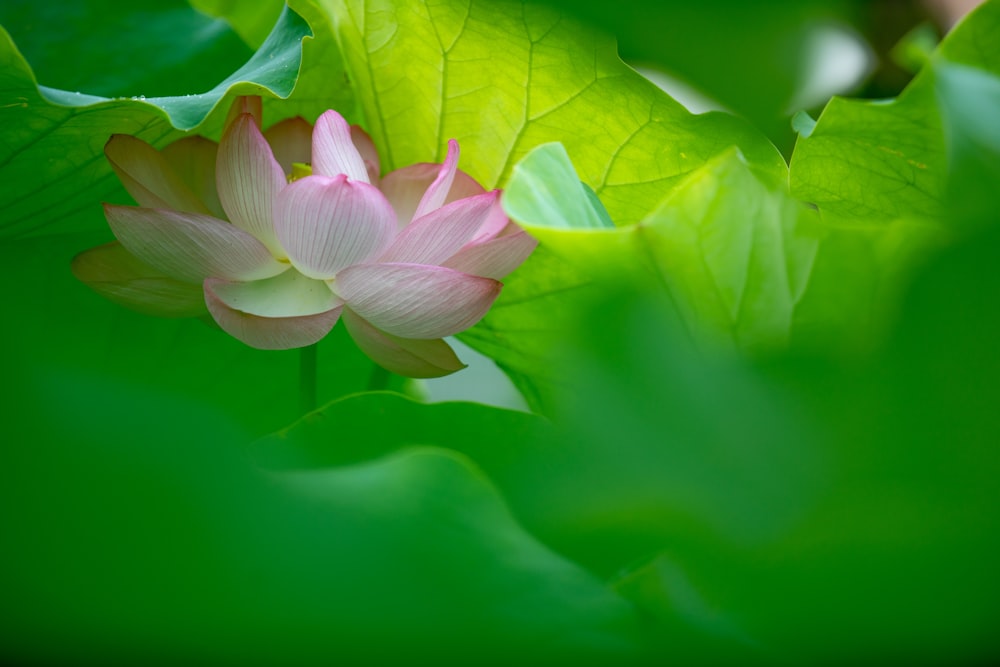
299	170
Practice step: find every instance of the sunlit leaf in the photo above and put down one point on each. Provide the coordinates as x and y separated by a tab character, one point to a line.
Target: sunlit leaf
504	77
885	160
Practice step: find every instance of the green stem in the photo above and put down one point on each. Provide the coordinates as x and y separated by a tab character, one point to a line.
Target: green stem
379	379
307	378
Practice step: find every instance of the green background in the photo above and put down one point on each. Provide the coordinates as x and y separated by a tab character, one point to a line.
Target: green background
761	367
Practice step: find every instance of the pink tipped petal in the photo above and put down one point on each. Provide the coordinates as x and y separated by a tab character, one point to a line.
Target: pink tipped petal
270	333
326	223
148	176
191	247
495	225
416	301
494	258
289	294
404	356
291	142
117	275
404	188
193	159
366	148
333	150
437	192
249	178
441	233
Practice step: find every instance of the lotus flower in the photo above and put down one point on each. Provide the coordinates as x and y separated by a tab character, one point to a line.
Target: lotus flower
280	234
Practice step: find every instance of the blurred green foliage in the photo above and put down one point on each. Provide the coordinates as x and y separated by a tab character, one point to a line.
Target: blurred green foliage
765	426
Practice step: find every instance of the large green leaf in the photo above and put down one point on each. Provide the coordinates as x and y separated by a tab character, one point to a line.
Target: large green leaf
753	58
51	159
748	268
879	161
503	77
133	536
99	48
252	21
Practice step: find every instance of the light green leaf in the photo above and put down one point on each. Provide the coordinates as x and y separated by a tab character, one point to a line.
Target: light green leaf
754	58
803	123
504	77
969	99
545	191
748	269
879	161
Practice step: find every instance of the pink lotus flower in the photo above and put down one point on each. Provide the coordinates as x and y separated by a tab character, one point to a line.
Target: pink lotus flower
278	251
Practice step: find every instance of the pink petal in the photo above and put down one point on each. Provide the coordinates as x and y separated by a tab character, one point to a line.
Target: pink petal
291	142
289	294
366	147
148	177
270	333
249	178
441	233
437	191
495	225
116	274
404	356
333	151
494	258
414	300
405	188
326	223
193	159
191	247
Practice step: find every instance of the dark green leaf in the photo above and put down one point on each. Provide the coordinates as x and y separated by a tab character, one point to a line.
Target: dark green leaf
51	159
136	532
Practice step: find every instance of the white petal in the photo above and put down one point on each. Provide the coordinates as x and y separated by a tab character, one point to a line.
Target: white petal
287	295
414	300
403	356
333	150
189	246
248	179
326	223
270	333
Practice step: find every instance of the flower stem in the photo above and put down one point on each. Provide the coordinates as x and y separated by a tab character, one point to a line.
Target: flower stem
379	379
307	378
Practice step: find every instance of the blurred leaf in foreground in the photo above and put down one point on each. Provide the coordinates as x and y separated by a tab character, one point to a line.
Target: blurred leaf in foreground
133	536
